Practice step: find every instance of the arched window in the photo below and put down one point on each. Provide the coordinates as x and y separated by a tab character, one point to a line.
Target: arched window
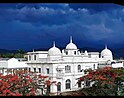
75	52
29	57
29	69
67	69
47	70
39	70
59	86
79	84
66	52
34	69
34	57
94	66
68	84
79	68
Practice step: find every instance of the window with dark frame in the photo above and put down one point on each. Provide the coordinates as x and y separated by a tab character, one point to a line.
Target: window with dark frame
67	69
66	52
34	69
75	52
47	70
29	69
68	84
35	57
79	68
79	84
59	86
39	70
94	66
29	57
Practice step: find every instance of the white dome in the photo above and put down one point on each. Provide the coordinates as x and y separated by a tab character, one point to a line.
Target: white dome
106	52
54	51
71	45
13	59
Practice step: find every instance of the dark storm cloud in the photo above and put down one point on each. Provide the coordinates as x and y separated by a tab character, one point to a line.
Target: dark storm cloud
96	7
38	25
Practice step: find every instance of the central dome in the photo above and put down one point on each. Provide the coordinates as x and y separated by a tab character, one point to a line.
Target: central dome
106	52
71	45
54	51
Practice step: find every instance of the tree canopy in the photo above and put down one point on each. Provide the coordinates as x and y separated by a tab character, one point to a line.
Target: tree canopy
105	81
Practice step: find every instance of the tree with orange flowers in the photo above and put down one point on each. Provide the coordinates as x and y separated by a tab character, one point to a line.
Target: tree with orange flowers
22	83
105	81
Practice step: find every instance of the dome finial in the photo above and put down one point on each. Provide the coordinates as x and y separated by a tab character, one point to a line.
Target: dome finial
86	53
105	46
53	43
70	39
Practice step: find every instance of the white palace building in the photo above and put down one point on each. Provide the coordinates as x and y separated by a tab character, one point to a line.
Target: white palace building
64	66
67	65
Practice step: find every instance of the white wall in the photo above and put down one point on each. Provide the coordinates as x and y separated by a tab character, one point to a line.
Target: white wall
42	55
117	65
3	64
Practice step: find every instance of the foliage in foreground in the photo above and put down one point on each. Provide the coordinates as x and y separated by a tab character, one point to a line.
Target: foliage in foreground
106	81
22	83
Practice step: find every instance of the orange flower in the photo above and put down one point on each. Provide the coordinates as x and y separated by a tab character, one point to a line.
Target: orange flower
104	78
108	68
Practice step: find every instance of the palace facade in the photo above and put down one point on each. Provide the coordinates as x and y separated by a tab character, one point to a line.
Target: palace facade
67	65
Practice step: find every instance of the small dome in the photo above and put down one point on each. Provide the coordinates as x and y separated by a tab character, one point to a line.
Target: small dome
106	52
71	45
13	59
54	51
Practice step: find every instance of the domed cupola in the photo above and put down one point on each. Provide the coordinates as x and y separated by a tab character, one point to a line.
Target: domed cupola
54	51
106	53
71	45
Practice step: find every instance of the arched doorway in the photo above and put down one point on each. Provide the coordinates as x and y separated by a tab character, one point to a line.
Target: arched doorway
59	86
68	84
79	84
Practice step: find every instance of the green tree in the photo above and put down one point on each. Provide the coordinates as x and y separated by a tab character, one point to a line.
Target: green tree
8	55
21	51
18	55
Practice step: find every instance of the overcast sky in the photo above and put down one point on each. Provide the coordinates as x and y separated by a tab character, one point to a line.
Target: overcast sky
31	26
